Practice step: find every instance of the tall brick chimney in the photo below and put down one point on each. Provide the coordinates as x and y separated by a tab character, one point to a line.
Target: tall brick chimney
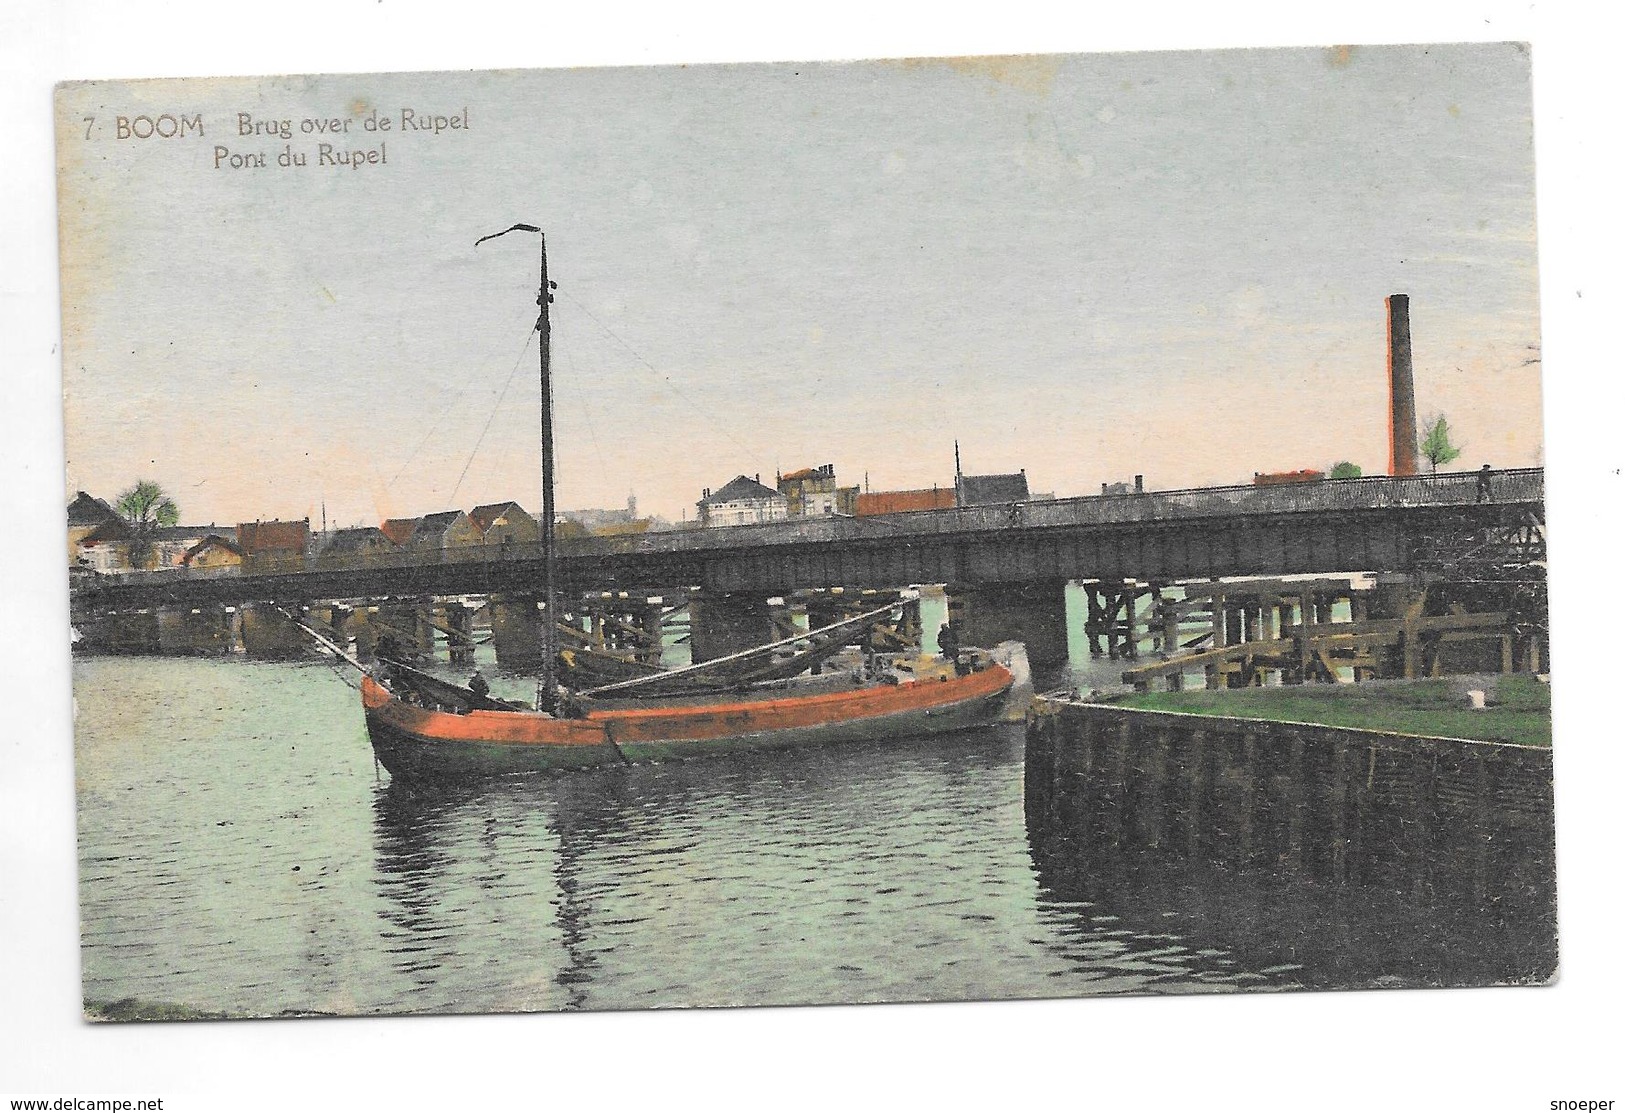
1401	389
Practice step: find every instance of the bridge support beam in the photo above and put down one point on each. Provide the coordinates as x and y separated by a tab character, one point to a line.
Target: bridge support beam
268	634
338	624
186	630
1033	612
653	630
121	632
516	629
408	624
722	623
459	623
359	624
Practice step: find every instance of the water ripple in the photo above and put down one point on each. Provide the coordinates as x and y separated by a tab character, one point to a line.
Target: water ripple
250	862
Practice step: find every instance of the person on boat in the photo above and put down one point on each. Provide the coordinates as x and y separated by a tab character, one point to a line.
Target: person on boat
948	643
569	706
478	686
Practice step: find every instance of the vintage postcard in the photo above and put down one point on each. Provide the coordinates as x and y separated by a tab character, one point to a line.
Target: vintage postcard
934	529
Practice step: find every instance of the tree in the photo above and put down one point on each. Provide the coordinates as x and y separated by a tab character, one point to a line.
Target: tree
145	507
1345	470
1436	446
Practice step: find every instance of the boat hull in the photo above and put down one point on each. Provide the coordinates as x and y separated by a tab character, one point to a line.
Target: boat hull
414	742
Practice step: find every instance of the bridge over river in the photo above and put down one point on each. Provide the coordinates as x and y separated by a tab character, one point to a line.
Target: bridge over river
1014	559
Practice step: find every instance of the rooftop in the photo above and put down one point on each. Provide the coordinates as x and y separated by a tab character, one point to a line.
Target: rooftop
484	515
740	488
872	503
88	510
980	490
353	539
262	537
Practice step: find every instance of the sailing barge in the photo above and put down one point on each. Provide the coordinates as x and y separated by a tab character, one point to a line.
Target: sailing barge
424	727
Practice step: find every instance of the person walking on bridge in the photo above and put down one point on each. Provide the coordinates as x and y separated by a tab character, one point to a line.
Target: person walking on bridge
1483	492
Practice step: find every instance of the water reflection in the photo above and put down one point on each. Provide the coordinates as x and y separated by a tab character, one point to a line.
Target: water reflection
241	863
1401	876
874	873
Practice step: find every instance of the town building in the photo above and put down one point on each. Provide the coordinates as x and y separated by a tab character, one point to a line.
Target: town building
170	544
873	503
353	546
399	530
214	551
742	501
106	548
814	492
273	546
1138	487
85	514
603	520
505	523
433	536
101	539
988	490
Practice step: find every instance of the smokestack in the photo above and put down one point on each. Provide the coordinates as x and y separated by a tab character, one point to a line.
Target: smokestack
1401	389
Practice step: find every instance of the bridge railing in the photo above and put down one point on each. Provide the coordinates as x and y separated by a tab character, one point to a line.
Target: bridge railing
1510	486
1523	485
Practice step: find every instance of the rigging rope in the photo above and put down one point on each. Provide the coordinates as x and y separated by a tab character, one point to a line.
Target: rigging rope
586	407
445	411
496	409
664	378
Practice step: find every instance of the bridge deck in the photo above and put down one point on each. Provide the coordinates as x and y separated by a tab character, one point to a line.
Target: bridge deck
675	557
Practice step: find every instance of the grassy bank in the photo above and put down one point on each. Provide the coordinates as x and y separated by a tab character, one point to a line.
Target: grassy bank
1520	707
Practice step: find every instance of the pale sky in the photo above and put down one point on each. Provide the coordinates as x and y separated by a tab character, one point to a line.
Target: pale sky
1084	266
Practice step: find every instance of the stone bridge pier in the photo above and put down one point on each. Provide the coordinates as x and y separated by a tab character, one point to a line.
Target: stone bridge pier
408	623
516	631
184	631
1030	611
269	634
721	623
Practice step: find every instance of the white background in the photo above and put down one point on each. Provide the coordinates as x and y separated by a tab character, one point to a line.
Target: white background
1480	1049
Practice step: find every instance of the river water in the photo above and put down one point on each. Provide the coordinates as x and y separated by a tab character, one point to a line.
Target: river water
240	853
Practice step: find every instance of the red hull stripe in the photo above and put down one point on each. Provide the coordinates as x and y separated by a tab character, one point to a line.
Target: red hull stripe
672	724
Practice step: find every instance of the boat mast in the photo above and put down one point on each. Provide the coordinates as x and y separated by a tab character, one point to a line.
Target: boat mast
547	683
